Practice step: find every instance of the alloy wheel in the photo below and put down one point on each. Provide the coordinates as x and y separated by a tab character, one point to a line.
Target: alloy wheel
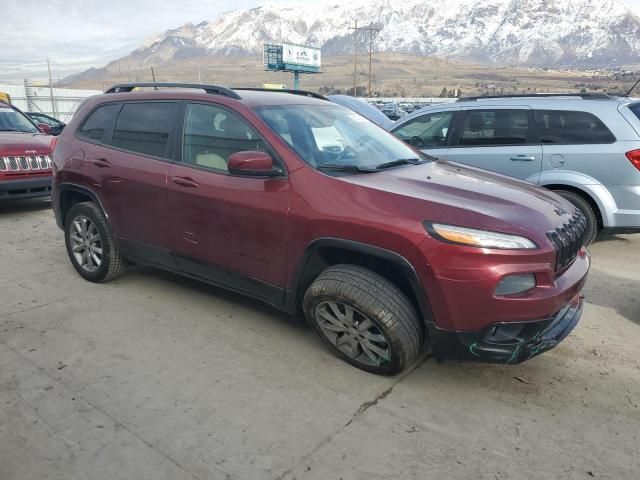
86	243
353	333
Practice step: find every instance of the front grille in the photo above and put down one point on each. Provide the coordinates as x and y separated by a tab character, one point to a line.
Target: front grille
25	164
567	240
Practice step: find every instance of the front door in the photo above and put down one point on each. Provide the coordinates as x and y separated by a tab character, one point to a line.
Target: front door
228	229
429	133
501	140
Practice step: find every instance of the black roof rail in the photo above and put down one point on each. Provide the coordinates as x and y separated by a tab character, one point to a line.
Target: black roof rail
585	96
304	93
212	89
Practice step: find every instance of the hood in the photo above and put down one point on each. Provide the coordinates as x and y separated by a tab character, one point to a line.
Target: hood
18	143
472	197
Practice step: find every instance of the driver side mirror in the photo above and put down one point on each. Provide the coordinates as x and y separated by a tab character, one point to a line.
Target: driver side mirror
252	164
45	128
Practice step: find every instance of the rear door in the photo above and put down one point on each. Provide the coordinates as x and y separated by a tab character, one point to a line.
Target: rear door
429	132
500	139
226	228
127	159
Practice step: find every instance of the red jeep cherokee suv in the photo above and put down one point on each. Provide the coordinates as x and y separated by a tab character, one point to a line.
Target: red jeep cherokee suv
306	205
25	156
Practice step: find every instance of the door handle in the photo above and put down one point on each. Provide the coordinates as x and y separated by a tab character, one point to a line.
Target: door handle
522	158
185	182
101	162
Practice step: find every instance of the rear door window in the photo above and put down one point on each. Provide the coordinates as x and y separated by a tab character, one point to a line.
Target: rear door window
426	131
571	127
97	127
145	127
490	128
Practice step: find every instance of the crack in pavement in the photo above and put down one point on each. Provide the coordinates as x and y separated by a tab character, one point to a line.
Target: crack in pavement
6	315
359	412
116	422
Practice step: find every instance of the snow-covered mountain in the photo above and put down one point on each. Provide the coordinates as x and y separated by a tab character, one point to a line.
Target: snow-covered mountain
584	33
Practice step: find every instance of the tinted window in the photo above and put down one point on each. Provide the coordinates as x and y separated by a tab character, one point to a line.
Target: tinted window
144	128
98	126
495	127
558	126
426	131
212	134
635	109
13	121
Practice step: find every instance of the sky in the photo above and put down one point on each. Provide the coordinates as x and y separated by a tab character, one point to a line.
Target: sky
79	34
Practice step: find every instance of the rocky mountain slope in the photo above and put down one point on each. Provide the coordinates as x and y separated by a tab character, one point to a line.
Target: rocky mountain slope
582	33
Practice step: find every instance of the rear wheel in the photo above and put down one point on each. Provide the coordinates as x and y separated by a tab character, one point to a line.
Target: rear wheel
585	207
91	245
364	318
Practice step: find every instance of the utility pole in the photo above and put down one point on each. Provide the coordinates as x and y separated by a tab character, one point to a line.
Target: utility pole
370	50
199	77
53	102
371	29
355	56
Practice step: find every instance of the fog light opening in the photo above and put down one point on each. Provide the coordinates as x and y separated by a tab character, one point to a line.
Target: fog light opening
515	284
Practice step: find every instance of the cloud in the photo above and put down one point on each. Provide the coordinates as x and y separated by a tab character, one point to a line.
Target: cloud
78	34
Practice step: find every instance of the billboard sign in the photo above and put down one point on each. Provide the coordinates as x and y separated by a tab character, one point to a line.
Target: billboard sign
300	55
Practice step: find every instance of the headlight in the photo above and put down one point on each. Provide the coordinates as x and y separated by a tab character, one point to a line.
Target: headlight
478	238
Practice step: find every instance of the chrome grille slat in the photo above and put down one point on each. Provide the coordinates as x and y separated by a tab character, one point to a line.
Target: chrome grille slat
567	240
25	163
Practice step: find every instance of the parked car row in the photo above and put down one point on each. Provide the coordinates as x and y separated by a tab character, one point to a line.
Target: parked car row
308	206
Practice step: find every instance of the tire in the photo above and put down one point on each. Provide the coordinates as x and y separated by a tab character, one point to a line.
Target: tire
354	310
587	210
101	243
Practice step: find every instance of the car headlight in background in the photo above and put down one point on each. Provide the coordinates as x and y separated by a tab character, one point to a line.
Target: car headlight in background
478	238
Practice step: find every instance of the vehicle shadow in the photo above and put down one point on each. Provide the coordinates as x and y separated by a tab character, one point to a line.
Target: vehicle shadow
606	236
620	294
209	290
19	206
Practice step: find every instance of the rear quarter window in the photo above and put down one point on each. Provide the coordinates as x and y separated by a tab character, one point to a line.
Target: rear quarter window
635	109
571	127
97	127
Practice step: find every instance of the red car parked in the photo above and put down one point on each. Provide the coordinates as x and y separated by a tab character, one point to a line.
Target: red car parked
308	206
25	156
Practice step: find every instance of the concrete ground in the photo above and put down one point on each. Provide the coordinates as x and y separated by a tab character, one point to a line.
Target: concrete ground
156	377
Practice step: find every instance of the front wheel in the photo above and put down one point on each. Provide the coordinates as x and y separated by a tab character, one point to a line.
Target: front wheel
592	220
365	319
91	245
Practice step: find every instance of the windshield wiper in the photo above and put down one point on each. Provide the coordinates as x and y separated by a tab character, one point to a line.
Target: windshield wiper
399	162
345	168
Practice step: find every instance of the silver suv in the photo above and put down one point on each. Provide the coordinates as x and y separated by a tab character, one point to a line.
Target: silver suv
584	147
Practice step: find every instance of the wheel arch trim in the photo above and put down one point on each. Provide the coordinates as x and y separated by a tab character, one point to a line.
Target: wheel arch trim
395	258
67	186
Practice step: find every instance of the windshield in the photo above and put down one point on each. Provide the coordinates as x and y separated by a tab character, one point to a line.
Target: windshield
330	137
13	121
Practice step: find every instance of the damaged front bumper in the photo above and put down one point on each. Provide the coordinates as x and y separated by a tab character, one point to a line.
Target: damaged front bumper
507	342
